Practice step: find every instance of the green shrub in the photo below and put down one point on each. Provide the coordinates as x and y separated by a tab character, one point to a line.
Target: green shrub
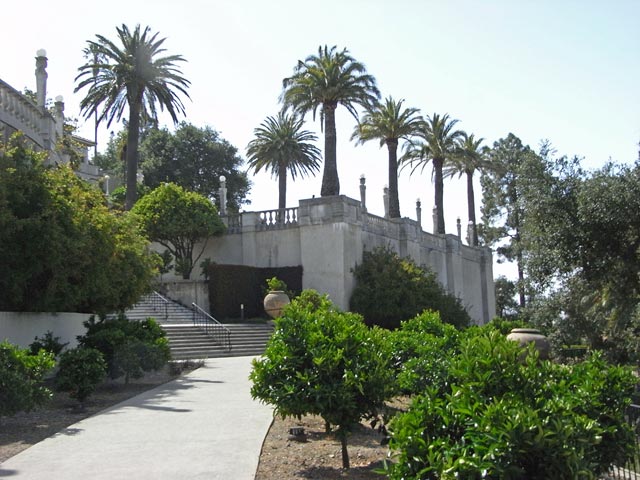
21	374
390	289
62	249
501	417
81	371
325	362
422	351
134	357
119	341
48	343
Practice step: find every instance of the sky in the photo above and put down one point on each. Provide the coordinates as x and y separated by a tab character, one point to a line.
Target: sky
566	71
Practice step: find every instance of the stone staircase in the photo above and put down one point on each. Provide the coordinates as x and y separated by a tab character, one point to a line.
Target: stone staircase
189	342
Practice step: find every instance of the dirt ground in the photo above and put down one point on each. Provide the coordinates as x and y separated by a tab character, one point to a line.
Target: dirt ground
318	457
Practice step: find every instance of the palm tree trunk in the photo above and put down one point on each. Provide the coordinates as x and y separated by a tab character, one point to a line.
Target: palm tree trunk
394	200
471	201
330	181
439	190
282	189
133	134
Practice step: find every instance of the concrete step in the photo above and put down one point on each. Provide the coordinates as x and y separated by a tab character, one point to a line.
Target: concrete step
189	342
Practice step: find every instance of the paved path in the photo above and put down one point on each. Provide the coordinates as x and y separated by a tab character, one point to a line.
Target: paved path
203	425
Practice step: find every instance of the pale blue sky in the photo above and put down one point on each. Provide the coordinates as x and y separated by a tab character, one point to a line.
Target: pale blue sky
567	71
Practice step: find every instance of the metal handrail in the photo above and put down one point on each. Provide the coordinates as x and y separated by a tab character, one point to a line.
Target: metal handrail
159	303
211	327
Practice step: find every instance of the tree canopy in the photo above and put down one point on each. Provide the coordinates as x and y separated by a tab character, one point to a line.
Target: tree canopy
178	220
134	74
330	78
280	145
194	158
61	249
388	123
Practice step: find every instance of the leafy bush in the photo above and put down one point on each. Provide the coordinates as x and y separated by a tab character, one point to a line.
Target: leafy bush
62	249
422	351
81	371
501	417
21	374
390	289
119	341
325	362
48	343
134	357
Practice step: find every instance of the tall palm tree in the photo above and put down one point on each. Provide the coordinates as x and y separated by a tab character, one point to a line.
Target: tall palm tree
132	74
280	146
324	81
438	144
389	123
469	158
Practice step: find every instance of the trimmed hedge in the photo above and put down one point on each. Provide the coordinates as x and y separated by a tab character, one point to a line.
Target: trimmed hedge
232	285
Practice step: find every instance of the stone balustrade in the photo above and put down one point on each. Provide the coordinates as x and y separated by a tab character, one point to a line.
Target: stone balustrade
277	219
20	113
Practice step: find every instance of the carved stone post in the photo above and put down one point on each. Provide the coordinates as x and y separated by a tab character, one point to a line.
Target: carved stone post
41	77
470	237
385	200
435	220
222	192
59	116
363	193
419	212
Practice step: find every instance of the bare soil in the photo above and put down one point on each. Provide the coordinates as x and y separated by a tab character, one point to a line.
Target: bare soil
320	455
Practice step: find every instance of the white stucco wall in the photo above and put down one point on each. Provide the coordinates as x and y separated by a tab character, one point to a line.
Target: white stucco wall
21	328
328	240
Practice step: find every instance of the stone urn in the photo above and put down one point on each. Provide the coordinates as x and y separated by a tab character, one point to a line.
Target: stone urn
524	336
274	302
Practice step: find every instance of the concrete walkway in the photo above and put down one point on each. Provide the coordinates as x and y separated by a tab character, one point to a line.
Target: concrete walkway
203	425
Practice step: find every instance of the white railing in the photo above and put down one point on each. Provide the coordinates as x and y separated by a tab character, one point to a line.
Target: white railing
277	219
21	114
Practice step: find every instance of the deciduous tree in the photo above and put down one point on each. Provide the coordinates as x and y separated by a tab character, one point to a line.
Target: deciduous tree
178	220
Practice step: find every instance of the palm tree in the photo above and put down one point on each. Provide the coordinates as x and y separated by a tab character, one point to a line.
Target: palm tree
326	80
282	145
469	158
389	123
438	144
132	74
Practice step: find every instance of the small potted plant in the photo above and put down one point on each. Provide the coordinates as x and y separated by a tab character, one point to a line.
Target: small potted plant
276	298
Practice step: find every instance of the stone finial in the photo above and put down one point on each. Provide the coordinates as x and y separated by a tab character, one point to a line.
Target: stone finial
59	115
222	192
363	193
385	200
419	212
459	227
41	77
471	237
435	219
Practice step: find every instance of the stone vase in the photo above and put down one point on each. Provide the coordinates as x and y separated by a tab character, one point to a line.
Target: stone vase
524	336
274	302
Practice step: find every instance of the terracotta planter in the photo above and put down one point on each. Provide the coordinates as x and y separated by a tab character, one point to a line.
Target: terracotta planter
274	302
524	336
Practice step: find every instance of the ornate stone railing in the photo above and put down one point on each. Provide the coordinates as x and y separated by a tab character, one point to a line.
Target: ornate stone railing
234	223
277	219
21	114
